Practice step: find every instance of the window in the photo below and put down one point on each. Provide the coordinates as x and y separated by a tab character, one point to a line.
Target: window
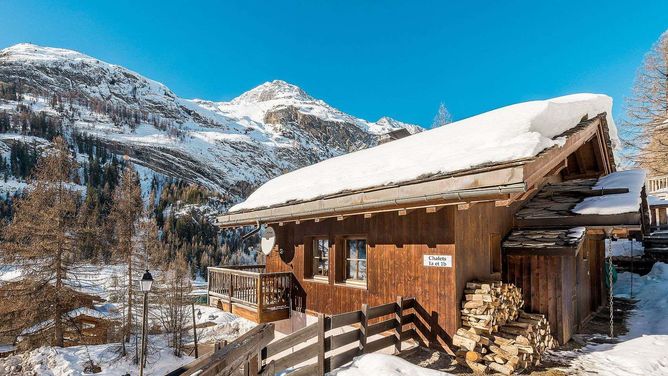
320	258
356	260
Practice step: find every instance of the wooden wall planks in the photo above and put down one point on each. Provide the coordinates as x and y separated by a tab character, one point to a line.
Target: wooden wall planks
396	245
567	289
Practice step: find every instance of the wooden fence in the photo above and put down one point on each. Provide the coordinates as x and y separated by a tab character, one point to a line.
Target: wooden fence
314	350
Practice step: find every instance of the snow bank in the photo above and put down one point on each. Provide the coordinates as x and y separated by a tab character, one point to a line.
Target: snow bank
624	247
616	203
642	356
386	365
509	133
70	361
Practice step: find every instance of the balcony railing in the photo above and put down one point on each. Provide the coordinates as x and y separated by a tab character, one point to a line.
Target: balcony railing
251	287
656	183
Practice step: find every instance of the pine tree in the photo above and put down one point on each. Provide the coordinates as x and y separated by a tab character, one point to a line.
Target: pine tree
442	117
645	133
41	240
125	215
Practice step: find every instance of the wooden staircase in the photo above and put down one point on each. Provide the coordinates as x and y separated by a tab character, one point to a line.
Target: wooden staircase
656	246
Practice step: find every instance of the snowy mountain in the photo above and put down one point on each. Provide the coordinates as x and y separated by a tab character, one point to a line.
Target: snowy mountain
229	147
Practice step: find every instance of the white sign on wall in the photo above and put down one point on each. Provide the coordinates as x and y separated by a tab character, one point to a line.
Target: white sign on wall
439	261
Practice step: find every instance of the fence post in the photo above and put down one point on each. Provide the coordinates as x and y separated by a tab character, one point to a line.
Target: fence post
321	344
231	291
398	316
260	297
433	333
365	326
219	346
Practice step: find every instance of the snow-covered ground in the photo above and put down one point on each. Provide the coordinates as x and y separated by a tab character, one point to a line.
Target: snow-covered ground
213	325
383	364
70	361
644	349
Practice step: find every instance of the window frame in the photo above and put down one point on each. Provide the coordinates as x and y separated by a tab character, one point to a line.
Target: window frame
346	259
312	259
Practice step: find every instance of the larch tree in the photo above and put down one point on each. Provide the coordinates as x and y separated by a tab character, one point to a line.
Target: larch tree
442	117
41	241
174	288
125	216
645	133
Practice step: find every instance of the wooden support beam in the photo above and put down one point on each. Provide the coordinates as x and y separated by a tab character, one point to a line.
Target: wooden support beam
464	206
501	203
368	215
316	220
433	209
340	218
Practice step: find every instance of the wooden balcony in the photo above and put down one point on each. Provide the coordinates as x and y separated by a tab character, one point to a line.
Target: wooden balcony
248	291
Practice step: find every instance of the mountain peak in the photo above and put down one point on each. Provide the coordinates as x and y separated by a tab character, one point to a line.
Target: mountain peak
277	89
28	51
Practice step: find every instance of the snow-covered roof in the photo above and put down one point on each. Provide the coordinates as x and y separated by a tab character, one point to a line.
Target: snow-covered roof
656	201
618	203
506	134
81	311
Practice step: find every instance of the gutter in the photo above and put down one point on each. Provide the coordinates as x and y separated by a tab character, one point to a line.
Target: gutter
259	216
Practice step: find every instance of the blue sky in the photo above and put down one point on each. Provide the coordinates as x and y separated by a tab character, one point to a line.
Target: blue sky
368	58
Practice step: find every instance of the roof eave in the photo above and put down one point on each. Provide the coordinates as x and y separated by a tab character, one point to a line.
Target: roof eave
500	182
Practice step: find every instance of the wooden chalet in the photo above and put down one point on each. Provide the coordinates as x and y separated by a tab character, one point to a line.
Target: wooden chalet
425	238
82	326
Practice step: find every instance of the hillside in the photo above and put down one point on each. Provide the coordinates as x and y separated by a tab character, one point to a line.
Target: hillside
229	147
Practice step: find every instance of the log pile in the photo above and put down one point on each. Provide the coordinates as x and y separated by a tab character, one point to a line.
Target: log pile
488	305
497	336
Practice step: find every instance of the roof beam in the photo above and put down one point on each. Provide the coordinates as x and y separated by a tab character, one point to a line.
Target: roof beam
433	209
587	220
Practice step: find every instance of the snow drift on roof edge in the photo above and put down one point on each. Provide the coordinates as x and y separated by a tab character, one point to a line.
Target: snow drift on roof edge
509	133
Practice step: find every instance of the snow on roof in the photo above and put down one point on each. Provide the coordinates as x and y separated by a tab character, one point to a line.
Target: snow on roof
71	314
656	201
615	203
510	133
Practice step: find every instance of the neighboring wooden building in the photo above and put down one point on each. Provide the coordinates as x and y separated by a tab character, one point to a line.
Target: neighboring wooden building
425	238
82	326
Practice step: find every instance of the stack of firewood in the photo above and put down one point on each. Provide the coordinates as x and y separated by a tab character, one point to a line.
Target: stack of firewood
498	337
488	305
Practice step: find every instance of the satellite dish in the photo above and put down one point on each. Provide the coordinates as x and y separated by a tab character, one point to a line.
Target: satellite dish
268	240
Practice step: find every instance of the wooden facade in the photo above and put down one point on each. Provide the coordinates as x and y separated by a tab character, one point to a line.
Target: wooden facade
567	287
396	245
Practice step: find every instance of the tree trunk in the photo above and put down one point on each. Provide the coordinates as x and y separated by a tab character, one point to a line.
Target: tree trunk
129	318
58	311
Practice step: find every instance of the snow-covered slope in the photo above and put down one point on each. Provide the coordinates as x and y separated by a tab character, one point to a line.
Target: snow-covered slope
227	146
